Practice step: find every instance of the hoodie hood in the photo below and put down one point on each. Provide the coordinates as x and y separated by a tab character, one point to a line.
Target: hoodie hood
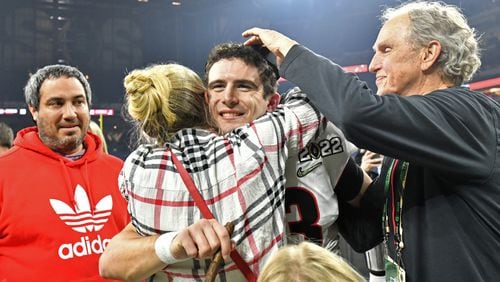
29	139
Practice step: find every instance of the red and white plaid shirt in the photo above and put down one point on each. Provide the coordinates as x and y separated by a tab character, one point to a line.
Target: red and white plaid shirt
240	175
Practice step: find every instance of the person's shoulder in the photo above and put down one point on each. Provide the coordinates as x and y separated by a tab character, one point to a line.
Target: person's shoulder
112	160
191	137
461	96
297	101
458	91
294	94
142	151
15	159
10	156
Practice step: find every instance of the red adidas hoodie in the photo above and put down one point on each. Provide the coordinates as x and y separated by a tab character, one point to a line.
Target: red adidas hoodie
57	215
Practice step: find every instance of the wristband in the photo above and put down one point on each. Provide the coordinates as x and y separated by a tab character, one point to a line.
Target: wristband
162	248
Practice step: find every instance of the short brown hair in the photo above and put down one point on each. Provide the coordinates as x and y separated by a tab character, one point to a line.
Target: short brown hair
248	55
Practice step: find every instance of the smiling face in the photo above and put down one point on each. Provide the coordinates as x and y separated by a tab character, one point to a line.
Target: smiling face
396	63
63	115
235	94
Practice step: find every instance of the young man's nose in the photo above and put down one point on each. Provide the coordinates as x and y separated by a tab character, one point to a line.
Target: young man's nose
230	96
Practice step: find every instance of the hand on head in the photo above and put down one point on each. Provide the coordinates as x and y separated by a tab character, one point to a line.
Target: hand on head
276	42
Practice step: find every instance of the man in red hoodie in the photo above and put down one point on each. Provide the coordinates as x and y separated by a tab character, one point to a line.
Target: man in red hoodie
59	205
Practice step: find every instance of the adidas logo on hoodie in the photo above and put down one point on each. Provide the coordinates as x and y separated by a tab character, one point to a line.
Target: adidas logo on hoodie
83	219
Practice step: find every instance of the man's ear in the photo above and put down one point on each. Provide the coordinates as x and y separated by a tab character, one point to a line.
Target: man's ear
34	112
430	55
274	101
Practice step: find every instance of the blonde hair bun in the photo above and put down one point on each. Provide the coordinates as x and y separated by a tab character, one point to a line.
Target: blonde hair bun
165	98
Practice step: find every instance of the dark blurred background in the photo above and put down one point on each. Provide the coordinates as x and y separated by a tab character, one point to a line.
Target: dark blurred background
107	38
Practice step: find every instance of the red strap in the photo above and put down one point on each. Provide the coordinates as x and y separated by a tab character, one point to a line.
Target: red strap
205	211
243	266
188	181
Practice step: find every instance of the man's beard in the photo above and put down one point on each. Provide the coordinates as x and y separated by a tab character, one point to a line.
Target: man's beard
62	145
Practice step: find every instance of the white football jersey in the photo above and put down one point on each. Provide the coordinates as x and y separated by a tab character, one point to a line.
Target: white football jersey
311	176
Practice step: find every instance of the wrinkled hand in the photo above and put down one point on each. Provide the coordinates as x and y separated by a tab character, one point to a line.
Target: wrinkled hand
201	240
370	160
276	42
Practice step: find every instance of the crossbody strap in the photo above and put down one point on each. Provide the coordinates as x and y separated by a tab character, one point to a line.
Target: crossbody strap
200	202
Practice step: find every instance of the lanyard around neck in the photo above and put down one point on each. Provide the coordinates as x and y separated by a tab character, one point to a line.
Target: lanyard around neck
394	203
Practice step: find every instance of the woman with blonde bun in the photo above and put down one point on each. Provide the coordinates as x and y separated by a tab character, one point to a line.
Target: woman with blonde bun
239	175
163	99
307	262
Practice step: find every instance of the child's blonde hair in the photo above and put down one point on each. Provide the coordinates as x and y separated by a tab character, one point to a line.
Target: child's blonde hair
307	262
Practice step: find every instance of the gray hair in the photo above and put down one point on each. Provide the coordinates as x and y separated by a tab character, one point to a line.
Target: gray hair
459	58
6	135
32	88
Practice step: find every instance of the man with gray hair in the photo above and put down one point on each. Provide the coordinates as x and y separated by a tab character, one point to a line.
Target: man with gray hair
440	180
6	137
58	202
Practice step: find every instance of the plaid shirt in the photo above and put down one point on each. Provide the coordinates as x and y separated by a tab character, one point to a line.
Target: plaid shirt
241	176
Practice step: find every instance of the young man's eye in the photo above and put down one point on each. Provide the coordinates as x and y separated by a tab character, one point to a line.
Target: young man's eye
217	87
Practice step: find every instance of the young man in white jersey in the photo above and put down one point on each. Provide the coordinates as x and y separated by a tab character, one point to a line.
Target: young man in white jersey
311	200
